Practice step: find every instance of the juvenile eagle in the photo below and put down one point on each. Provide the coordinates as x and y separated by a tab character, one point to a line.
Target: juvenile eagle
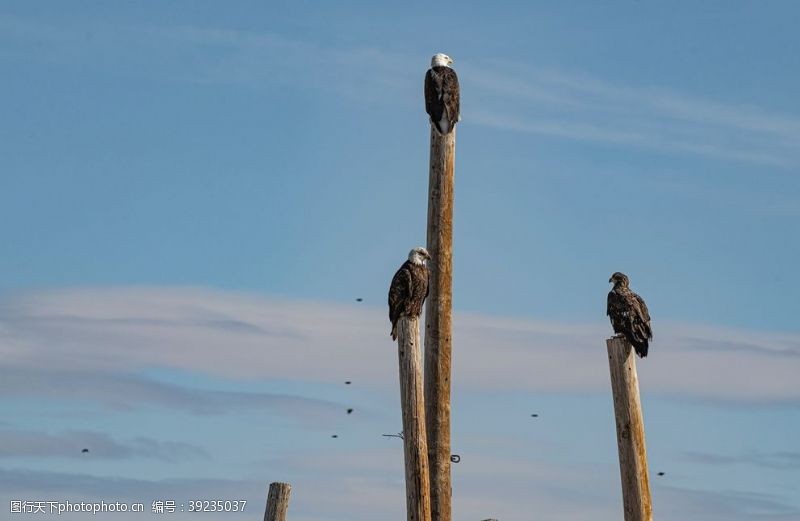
409	288
442	94
628	314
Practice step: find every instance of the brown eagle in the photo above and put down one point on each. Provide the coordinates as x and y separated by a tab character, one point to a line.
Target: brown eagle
628	314
409	288
442	94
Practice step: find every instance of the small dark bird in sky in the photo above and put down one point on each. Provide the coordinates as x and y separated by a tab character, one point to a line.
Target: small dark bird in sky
349	411
347	382
85	451
660	473
534	415
334	436
359	299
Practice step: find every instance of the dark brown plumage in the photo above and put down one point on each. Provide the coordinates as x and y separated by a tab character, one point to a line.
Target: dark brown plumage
442	95
409	288
629	315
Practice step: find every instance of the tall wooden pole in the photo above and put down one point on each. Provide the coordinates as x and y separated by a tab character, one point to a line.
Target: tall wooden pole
636	500
418	500
277	501
438	319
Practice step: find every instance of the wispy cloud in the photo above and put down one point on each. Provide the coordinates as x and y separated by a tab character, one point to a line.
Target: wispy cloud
101	335
585	108
70	444
97	336
488	486
123	391
676	503
780	460
514	96
213	55
37	485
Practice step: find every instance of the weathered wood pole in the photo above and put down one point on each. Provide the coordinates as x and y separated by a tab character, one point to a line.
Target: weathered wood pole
277	501
438	319
418	499
636	499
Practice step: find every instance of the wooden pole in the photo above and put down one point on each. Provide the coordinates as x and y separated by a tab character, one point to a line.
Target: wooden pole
636	499
418	500
438	319
277	501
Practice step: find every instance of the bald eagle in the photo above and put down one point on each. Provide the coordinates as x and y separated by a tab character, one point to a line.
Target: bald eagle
442	94
628	314
409	288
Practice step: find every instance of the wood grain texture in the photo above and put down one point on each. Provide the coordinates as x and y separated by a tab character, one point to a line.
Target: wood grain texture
636	501
438	319
418	502
277	501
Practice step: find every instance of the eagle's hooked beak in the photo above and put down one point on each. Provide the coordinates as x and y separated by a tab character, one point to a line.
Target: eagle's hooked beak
611	279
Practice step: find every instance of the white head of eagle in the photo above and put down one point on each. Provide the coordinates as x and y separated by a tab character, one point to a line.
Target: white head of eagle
418	255
441	60
442	94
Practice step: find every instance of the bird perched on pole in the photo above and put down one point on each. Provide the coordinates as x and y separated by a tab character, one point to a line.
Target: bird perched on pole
629	315
442	94
409	288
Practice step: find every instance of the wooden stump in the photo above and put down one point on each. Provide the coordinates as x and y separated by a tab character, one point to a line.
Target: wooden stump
636	500
277	501
415	443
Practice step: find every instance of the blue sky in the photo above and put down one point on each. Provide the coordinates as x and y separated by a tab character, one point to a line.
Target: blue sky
188	188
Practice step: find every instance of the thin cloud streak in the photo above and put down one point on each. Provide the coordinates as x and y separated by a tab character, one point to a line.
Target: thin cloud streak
565	105
70	444
370	486
107	336
125	392
781	460
584	108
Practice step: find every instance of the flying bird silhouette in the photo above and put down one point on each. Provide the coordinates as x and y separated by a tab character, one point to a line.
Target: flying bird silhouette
629	315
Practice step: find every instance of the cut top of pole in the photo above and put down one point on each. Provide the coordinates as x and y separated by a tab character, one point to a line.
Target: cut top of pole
277	501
